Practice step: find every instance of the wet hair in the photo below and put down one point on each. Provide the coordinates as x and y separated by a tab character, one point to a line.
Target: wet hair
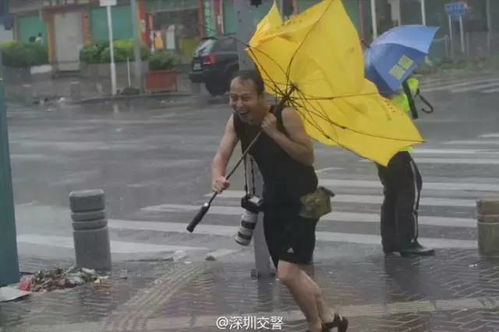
254	76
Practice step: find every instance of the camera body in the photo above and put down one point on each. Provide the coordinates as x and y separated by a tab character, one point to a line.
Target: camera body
252	203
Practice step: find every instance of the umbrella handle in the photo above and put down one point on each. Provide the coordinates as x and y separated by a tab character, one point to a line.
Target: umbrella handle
424	100
201	213
412	105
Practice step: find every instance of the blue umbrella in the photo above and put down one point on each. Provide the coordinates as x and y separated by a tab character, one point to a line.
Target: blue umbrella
394	55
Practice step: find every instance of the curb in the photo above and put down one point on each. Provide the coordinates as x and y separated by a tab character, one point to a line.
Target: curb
131	97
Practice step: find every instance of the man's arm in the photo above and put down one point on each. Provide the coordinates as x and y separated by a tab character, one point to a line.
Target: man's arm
298	145
221	159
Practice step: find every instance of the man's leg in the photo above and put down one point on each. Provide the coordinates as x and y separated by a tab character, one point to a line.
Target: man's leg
305	292
407	199
388	227
407	207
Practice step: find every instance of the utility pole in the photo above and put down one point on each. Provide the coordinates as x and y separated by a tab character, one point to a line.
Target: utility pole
9	263
374	19
245	29
489	27
136	45
108	4
423	12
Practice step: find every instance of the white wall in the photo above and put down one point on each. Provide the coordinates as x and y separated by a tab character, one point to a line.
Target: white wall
4	34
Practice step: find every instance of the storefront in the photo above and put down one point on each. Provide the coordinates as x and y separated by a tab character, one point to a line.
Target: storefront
174	25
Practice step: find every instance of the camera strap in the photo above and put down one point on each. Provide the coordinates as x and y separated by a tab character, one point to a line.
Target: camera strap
246	176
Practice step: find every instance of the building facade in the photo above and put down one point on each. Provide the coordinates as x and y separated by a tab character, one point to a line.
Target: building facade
64	26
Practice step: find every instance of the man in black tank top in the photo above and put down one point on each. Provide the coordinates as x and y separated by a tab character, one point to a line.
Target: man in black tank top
285	156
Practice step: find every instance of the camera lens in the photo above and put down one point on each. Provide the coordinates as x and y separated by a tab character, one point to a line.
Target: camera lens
248	224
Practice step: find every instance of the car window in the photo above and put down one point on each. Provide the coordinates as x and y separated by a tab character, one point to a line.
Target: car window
204	47
225	45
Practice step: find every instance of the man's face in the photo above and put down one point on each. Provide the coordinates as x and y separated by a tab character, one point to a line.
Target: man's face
246	102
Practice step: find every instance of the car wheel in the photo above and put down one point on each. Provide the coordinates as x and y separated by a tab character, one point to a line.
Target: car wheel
215	89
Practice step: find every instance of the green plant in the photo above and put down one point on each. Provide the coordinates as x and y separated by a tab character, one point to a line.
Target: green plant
17	54
163	60
100	52
91	53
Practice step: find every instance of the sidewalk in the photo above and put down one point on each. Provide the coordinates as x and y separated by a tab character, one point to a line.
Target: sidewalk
454	291
39	90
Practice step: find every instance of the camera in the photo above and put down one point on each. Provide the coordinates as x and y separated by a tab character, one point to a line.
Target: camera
248	224
252	203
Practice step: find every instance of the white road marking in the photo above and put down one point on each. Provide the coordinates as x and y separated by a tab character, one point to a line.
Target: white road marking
118	247
373	199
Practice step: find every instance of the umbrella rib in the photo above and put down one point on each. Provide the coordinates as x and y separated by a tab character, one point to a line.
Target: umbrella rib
333	123
318	113
275	84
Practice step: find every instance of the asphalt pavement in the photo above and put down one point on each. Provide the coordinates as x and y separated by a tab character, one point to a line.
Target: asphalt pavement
152	159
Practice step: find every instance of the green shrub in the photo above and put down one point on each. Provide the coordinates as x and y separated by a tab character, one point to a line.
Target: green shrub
163	60
16	54
100	53
91	53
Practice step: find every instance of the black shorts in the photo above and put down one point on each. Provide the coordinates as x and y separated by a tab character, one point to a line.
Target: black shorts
289	237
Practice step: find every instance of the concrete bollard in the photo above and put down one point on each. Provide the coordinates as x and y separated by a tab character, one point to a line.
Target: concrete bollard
488	226
90	231
75	90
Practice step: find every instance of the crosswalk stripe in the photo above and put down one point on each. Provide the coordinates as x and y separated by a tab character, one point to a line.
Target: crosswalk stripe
418	151
459	85
491	135
460	161
476	87
426	185
337	216
374	199
491	91
117	247
473	142
323	236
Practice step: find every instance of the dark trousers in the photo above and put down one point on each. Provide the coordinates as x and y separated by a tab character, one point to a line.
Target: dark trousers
402	185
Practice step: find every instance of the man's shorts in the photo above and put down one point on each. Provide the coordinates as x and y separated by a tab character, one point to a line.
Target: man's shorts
289	237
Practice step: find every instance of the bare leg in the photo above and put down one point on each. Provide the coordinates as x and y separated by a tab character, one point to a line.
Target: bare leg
304	290
325	313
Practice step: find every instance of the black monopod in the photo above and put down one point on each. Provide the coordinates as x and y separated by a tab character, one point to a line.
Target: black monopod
206	206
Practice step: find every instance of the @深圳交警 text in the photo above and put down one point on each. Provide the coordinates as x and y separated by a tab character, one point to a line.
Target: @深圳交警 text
249	323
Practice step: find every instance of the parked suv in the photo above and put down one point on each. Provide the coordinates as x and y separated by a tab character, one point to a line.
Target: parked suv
214	63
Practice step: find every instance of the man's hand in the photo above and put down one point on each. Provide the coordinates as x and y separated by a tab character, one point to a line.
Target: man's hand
269	125
220	184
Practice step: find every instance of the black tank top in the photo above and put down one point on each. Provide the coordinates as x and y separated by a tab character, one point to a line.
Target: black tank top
285	179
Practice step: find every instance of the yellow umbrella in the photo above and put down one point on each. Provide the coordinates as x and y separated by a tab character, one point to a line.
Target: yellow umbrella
317	60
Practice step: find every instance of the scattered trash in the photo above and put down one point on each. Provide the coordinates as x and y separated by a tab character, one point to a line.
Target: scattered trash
25	283
49	280
179	255
10	294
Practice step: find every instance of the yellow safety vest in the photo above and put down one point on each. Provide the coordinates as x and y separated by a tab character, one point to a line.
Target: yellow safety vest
402	101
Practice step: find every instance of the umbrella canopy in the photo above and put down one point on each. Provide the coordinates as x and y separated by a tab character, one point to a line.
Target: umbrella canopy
392	57
316	59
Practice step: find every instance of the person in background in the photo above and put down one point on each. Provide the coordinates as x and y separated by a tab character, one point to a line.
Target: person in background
402	184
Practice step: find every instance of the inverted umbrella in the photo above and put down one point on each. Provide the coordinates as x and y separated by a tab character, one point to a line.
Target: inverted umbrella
392	57
316	59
